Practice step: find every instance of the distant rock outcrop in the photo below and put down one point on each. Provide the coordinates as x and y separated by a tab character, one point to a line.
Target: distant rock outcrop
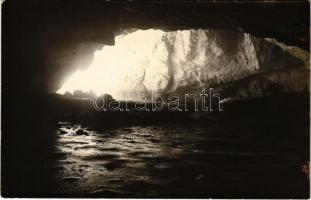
81	94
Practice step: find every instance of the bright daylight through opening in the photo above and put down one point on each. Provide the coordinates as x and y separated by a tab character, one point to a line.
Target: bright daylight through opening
135	58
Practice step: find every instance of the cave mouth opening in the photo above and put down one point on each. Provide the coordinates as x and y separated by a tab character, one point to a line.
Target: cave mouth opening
142	62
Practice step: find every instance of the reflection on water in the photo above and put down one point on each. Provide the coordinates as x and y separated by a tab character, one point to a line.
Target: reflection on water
152	160
99	160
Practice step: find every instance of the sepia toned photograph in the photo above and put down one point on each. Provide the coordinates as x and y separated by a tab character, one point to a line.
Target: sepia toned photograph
187	99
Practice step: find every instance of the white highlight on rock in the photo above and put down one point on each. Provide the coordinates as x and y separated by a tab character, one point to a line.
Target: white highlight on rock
146	61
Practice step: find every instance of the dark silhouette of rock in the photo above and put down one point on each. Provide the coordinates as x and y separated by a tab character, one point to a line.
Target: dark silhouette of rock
78	93
92	94
107	97
68	94
81	132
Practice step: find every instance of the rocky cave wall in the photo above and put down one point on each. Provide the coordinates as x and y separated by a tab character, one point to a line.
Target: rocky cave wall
45	41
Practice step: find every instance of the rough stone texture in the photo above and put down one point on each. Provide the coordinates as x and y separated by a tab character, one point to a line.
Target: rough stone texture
186	60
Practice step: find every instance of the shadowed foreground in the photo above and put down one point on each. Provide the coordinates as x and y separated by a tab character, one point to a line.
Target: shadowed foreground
254	149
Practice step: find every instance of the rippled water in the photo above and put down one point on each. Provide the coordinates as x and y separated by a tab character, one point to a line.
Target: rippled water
109	159
170	161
